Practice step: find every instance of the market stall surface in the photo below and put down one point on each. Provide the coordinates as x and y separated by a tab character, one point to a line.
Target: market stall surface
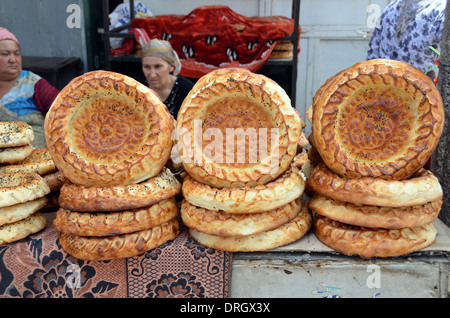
310	269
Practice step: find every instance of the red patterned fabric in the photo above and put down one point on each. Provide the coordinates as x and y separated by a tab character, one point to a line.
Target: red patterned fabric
212	37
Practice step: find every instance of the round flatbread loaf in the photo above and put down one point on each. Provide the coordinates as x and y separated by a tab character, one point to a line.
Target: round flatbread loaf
55	180
261	198
370	242
282	235
107	129
15	133
424	187
13	154
118	246
39	161
17	212
378	118
236	128
117	198
19	187
376	216
13	232
115	223
226	224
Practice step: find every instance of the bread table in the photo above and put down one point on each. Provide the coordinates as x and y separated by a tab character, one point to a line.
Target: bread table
310	269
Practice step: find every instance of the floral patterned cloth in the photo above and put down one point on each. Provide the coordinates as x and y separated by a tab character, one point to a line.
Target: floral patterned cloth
37	267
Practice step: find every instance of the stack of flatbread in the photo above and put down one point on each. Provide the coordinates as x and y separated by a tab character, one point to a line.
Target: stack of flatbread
374	127
16	141
22	189
110	136
237	138
283	50
39	161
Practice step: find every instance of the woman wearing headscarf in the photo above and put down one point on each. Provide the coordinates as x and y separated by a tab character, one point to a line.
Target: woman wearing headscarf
405	31
24	96
161	68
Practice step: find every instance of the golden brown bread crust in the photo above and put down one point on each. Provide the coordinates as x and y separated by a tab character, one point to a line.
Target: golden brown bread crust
115	223
378	118
370	242
286	188
39	161
11	155
281	54
19	187
55	180
282	235
15	133
107	129
282	50
18	230
116	198
222	102
420	189
284	45
376	216
118	246
227	224
17	212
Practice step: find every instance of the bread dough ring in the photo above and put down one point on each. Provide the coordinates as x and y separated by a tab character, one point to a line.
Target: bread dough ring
19	187
117	198
223	104
13	232
13	154
226	224
115	223
372	242
282	235
422	188
39	161
376	216
261	198
107	129
378	118
15	133
17	212
118	246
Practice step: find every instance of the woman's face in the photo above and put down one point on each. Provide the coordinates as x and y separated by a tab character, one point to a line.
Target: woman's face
10	60
157	71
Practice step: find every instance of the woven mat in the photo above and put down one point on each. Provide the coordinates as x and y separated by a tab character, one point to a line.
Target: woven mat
37	266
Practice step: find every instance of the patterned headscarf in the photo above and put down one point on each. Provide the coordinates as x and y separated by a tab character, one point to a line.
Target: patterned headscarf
6	35
411	10
162	49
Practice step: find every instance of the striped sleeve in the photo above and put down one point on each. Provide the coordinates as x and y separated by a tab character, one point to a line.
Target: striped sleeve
44	95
